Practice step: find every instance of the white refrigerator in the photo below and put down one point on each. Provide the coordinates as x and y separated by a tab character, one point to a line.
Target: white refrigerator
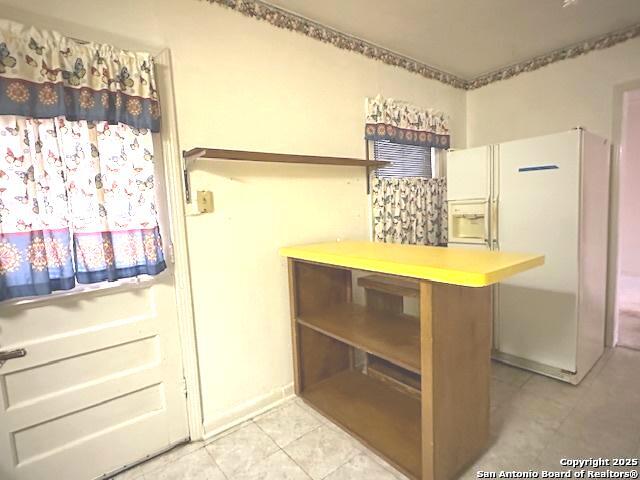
546	195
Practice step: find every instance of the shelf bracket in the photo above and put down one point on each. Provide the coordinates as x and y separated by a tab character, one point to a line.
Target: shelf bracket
368	173
368	169
187	161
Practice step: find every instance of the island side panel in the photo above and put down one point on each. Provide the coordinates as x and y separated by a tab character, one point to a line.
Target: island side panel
426	379
312	288
456	376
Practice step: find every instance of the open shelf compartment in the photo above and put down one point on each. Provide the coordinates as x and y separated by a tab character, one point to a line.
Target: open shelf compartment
328	328
393	337
383	418
394	376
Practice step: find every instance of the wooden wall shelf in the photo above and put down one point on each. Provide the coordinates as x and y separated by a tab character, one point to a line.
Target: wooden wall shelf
219	154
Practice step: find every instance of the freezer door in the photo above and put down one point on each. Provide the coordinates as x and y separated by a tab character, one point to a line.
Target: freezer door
468	174
538	211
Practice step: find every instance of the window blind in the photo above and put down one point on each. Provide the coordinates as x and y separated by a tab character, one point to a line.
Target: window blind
407	160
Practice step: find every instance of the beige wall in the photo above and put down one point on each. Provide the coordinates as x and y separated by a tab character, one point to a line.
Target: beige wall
244	84
629	220
561	96
270	90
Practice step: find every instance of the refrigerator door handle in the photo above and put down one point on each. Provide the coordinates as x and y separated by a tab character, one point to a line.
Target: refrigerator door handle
494	224
489	171
487	228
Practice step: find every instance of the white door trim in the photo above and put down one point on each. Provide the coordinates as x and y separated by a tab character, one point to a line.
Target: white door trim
611	327
179	249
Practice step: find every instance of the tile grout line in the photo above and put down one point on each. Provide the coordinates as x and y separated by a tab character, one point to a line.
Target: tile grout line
387	467
296	463
553	431
356	453
252	420
337	468
295	439
320	425
282	448
226	432
572	409
216	463
289	443
526	381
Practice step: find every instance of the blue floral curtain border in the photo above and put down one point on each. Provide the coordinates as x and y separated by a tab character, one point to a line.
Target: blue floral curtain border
49	100
109	256
400	122
35	263
44	74
382	131
39	262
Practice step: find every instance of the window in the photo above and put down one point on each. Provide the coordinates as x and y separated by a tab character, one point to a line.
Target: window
77	205
407	160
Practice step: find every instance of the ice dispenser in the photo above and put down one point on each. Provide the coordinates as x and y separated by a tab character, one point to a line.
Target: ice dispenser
468	222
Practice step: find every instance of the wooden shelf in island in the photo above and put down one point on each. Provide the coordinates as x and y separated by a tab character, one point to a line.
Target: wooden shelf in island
405	287
384	419
395	338
394	376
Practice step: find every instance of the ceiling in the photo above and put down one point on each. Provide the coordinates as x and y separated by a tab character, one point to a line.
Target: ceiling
469	37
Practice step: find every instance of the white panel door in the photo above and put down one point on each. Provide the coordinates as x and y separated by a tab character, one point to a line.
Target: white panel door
538	212
101	386
468	174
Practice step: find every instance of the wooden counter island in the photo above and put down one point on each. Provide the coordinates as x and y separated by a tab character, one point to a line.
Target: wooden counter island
418	394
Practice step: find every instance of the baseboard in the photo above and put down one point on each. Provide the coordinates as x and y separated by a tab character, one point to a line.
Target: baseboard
542	369
247	410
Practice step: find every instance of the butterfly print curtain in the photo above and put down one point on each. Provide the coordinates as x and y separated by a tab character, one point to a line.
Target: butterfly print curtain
77	204
401	122
44	74
410	210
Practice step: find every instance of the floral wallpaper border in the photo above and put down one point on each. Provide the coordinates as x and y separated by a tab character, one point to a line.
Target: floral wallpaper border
572	51
283	19
290	21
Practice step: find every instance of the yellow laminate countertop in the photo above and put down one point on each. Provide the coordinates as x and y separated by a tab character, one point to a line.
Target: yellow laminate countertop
456	266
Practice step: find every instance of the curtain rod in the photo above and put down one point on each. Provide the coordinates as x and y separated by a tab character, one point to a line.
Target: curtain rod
79	40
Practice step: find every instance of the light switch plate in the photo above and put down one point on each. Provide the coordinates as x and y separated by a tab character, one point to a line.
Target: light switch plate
205	201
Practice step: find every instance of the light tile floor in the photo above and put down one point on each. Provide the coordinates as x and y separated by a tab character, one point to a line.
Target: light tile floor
535	421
